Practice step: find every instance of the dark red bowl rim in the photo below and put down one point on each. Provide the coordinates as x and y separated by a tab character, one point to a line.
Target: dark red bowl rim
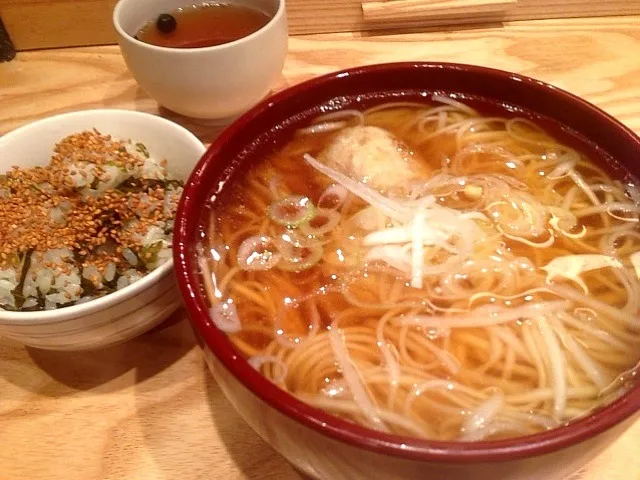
398	446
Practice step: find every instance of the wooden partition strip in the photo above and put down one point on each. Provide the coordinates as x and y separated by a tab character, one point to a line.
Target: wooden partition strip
382	11
34	24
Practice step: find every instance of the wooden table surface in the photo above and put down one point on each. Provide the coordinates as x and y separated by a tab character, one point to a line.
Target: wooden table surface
147	409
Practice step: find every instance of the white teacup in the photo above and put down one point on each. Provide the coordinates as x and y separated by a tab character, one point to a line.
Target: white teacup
218	82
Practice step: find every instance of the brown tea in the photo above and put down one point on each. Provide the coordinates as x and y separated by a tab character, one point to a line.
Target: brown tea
203	25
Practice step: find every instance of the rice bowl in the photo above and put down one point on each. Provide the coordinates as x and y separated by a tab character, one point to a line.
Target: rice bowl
137	305
97	218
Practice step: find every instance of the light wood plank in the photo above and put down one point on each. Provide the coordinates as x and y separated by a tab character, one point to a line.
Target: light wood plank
54	23
147	409
58	23
414	10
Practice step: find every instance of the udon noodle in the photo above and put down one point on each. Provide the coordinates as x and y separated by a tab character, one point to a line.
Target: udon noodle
424	270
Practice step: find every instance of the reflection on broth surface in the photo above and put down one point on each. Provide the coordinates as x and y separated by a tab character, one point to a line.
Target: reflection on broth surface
425	270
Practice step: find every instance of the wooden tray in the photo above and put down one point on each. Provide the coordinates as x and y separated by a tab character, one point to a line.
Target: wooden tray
34	24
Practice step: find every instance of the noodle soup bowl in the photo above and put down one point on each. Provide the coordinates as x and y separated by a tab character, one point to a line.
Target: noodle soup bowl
319	444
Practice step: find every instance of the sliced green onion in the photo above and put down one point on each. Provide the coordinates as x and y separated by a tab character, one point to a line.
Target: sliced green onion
296	255
322	222
305	258
333	197
257	253
291	211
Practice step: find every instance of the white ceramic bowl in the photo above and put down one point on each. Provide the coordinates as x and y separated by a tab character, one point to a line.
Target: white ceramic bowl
218	82
144	304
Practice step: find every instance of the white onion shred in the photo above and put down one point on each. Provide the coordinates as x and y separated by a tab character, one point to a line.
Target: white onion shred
225	317
390	355
629	319
572	266
476	426
351	376
590	367
635	261
486	315
556	358
254	254
436	383
336	191
562	170
545	244
417	251
258	360
584	186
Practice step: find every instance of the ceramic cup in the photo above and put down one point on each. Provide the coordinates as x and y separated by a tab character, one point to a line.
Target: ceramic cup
218	82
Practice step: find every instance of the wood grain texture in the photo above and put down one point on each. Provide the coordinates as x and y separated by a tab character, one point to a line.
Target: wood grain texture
450	10
147	410
35	24
316	16
58	23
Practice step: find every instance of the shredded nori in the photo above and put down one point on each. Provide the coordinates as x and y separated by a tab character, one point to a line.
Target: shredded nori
110	287
133	184
140	147
38	307
77	256
88	287
95	183
17	292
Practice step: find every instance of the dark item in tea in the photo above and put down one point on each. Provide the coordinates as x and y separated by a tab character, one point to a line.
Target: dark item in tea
203	25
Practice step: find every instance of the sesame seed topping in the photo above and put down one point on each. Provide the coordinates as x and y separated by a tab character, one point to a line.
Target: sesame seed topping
64	205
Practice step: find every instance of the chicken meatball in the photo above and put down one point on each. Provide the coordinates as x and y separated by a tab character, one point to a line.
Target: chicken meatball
374	156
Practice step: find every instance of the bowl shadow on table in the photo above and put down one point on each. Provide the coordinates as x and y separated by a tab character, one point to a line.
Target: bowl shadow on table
239	438
212	434
207	131
203	129
102	370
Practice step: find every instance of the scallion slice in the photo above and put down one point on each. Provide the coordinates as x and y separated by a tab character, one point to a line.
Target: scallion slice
291	211
322	222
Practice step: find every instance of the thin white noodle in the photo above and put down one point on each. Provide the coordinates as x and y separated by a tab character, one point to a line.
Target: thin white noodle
333	116
324	127
347	407
476	426
608	310
483	317
258	360
454	103
352	377
590	367
584	186
558	368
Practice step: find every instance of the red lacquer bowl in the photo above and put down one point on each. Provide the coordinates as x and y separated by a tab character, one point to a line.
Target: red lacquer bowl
319	444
